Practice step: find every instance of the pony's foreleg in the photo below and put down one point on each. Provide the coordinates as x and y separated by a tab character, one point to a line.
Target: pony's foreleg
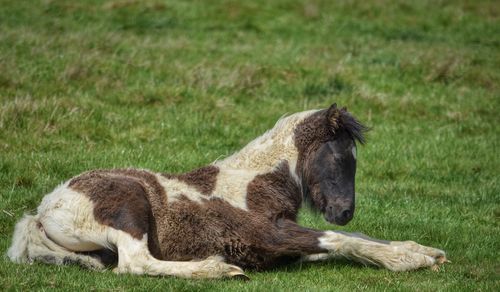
395	256
409	245
134	257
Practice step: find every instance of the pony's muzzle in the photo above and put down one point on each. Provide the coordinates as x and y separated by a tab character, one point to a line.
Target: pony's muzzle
338	215
344	217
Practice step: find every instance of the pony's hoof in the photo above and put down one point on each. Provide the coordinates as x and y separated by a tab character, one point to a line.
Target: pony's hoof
241	277
237	273
442	260
439	262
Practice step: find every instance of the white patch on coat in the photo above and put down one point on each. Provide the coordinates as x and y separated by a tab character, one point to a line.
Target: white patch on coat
266	151
231	186
175	189
292	164
353	150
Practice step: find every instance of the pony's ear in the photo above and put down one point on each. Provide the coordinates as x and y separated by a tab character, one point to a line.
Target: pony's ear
333	117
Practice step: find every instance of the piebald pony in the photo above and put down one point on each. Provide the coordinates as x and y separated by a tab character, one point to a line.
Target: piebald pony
237	213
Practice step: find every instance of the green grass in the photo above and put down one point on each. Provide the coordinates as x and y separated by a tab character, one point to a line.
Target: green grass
171	85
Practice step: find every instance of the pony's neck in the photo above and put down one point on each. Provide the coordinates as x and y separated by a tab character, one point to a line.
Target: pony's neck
265	152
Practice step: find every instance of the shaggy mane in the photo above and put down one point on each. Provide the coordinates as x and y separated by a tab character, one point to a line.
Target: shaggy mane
354	128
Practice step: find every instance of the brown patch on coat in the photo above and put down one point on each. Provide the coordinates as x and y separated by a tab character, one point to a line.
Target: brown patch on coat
196	231
275	194
126	199
202	179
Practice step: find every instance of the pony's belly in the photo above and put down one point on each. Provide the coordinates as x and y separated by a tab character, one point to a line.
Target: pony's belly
195	231
189	232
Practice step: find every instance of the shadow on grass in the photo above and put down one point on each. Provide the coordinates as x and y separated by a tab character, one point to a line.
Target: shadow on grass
330	263
295	267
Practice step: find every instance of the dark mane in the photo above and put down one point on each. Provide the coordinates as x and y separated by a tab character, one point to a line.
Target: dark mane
354	128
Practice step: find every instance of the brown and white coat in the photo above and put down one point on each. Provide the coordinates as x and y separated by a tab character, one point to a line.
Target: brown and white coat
234	214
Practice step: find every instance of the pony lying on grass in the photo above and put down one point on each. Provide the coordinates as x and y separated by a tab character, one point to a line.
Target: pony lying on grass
237	213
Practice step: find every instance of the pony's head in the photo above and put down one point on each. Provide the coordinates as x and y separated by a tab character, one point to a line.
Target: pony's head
326	164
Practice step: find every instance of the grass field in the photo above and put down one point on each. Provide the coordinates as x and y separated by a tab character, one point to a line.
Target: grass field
172	85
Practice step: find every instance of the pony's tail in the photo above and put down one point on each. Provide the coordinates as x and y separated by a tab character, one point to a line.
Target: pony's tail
30	241
24	232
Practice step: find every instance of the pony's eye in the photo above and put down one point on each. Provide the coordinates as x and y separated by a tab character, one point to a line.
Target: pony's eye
331	146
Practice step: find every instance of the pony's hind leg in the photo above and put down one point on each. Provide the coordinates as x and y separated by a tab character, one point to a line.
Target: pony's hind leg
134	257
31	243
67	230
51	236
